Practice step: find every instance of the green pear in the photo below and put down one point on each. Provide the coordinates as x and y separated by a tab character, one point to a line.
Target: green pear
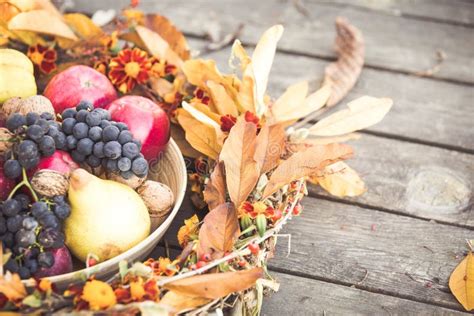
107	217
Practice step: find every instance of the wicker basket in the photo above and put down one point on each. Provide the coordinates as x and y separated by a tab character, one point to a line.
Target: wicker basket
171	170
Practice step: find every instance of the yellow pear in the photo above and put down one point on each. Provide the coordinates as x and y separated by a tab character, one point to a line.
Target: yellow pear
107	217
16	75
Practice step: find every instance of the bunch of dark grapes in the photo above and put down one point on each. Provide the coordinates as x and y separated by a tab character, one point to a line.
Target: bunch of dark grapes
35	136
94	139
30	230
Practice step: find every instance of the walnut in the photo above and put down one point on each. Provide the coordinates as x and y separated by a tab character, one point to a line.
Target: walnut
36	103
158	198
134	182
50	183
5	140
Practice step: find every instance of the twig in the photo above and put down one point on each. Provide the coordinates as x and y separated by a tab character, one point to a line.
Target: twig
364	278
289	242
440	57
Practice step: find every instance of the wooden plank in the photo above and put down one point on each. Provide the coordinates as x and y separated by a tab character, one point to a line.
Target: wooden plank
427	111
446	11
375	251
393	43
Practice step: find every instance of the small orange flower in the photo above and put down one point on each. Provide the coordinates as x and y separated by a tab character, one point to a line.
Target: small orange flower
43	58
99	295
252	118
130	67
188	230
160	68
137	291
253	210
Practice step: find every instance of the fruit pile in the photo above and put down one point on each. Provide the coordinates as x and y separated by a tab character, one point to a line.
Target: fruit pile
77	159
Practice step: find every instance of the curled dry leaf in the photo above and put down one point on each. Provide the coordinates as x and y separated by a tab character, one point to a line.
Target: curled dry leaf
343	74
179	137
270	145
216	285
214	193
461	282
82	25
12	287
305	163
361	113
222	100
238	154
289	101
157	46
247	93
340	180
41	21
180	302
219	231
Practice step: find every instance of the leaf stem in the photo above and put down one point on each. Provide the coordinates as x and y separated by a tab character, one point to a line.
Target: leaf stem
24	182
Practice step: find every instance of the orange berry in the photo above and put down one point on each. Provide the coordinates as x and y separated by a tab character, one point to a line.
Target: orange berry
242	263
277	215
254	248
200	264
91	262
206	257
297	209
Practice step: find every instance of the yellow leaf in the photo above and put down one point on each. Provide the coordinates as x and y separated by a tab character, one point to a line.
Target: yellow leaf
83	25
340	180
461	282
157	46
262	60
221	99
286	106
200	116
199	71
203	138
362	112
41	21
178	135
180	302
248	91
12	287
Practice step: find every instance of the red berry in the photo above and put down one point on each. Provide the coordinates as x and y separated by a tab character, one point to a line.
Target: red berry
277	215
91	262
192	267
242	263
200	264
254	248
206	257
297	209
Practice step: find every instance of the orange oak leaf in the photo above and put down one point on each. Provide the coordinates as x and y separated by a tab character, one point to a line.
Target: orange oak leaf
216	285
343	73
214	193
306	163
238	156
219	231
270	146
461	282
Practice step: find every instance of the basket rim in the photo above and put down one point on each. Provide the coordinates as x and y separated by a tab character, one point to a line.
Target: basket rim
113	262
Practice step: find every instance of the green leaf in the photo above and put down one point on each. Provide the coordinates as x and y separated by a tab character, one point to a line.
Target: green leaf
32	301
123	268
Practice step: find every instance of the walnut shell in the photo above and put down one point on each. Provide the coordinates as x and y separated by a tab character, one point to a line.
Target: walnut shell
36	103
5	143
134	182
50	183
157	197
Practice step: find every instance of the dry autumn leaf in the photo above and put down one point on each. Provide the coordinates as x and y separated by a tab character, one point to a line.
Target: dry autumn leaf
305	163
340	180
41	21
461	282
180	302
289	101
216	285
82	25
178	135
269	147
12	287
219	231
247	94
214	193
157	46
361	113
238	156
222	100
343	74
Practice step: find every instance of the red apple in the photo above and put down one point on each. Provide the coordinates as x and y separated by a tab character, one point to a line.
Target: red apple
60	161
146	120
78	83
6	185
62	264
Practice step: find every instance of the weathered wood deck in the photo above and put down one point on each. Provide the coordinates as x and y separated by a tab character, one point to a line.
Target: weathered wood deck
390	251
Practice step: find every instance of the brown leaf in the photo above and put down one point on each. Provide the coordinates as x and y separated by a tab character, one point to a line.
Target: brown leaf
214	193
238	154
219	231
216	285
169	33
180	302
41	21
343	73
305	163
461	282
340	180
157	46
270	145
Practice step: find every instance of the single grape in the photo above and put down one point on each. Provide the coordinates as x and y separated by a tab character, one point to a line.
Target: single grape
29	163
12	169
11	207
51	238
49	220
105	115
62	210
47	116
35	132
68	125
44	124
138	144
32	265
46	259
94	118
31	253
80	130
31	118
53	131
8	239
29	223
24	273
81	115
93	161
53	124
110	133
68	113
15	121
38	209
130	150
126	174
27	149
85	105
85	146
12	265
25	238
124	164
125	137
59	199
60	140
77	156
71	142
104	123
14	223
95	133
47	146
111	165
3	225
140	167
99	150
121	126
112	150
23	199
